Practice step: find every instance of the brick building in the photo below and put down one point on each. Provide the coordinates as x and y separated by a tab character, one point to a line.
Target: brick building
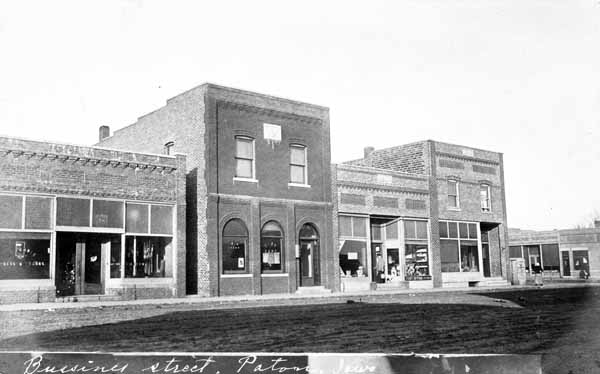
421	215
259	203
76	221
567	253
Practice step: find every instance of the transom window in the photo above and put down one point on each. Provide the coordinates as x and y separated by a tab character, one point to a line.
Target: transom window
485	193
298	164
244	157
453	197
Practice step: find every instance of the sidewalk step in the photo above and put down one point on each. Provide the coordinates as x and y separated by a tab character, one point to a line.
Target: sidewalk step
87	298
314	290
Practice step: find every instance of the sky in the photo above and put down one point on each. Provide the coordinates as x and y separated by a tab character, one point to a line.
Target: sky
517	77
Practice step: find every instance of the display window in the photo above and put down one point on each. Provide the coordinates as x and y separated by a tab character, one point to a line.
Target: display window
148	257
353	258
234	247
459	247
24	255
416	260
271	245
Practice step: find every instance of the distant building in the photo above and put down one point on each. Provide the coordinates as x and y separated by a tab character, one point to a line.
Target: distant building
421	215
570	253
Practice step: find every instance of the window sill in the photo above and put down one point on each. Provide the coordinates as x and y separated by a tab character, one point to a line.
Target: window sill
298	185
486	211
245	275
268	275
454	209
249	180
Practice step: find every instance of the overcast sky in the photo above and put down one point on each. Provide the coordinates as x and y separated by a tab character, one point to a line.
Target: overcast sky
518	77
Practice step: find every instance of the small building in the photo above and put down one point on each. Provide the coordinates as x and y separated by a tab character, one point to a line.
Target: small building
421	215
77	221
567	253
259	188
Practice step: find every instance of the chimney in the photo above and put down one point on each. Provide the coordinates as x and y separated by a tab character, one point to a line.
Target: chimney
368	151
597	223
103	133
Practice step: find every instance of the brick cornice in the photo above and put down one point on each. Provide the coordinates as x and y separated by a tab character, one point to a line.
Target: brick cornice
384	188
268	112
467	158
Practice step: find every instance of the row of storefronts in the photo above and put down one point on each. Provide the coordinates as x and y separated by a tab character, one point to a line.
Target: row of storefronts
229	192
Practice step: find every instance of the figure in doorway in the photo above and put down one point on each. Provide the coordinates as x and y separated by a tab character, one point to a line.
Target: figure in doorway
380	267
538	274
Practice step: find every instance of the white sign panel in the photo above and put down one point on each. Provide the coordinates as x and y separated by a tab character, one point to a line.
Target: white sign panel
272	132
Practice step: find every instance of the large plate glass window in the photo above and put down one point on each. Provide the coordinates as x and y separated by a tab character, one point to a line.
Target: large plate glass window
459	247
353	246
416	251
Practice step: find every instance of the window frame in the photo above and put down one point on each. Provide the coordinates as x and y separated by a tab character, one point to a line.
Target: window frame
488	199
246	270
252	178
456	194
281	248
459	241
304	166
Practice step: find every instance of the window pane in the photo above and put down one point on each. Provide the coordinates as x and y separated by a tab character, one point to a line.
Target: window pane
469	256
443	229
421	230
38	213
244	148
375	232
472	231
484	236
449	256
353	258
453	201
308	232
24	256
297	155
243	168
452	188
148	257
271	251
514	251
161	219
416	262
410	230
72	212
550	257
137	218
107	214
359	227
115	257
297	174
234	254
345	226
452	230
11	212
391	231
462	228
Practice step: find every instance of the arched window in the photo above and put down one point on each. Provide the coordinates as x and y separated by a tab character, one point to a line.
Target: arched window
271	246
235	244
308	231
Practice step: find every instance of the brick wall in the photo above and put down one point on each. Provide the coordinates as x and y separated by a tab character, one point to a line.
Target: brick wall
408	158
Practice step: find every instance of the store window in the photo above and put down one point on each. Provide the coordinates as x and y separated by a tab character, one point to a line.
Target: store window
417	262
459	247
514	251
115	257
235	242
38	213
550	257
137	218
148	257
298	170
485	193
11	212
244	157
106	213
453	195
24	255
271	246
353	226
353	258
415	229
72	212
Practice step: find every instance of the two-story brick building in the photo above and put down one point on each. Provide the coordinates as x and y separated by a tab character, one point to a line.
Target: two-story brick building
77	221
421	215
258	188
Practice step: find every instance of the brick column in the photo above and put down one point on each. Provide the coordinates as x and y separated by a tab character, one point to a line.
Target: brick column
180	229
434	216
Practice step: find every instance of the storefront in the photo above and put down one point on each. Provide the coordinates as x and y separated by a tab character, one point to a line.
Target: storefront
461	252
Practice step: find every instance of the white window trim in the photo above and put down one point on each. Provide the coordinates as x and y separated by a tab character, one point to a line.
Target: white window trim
489	198
457	207
295	184
246	179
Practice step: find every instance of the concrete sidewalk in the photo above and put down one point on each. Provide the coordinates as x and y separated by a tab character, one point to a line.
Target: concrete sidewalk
275	299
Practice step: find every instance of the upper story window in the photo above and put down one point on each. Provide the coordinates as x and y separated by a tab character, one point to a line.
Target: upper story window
169	148
244	157
298	164
486	197
453	195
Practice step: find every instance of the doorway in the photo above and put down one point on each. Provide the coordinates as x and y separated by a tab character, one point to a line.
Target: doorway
566	264
80	262
309	256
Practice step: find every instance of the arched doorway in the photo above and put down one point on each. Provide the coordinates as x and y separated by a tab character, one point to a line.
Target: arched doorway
309	256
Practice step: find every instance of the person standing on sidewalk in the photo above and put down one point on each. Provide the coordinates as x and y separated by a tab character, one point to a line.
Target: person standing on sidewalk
538	274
